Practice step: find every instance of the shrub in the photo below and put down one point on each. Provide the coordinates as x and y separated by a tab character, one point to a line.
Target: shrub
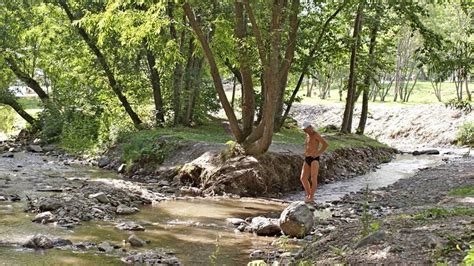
465	135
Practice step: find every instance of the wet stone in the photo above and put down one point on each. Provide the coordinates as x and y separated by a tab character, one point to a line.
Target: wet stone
135	241
8	155
235	221
39	242
130	226
44	217
100	196
122	209
105	247
151	258
34	148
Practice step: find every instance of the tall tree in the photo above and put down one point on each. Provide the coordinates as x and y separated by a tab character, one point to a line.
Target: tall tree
346	126
369	73
116	86
275	67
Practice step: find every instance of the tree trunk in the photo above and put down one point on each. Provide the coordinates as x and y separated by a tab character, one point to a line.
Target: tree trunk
248	94
156	87
467	87
234	85
368	75
116	88
236	131
178	67
20	111
193	90
346	126
27	79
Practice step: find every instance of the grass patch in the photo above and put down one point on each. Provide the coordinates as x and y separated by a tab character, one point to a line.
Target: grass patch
462	192
30	102
338	141
436	213
146	149
151	147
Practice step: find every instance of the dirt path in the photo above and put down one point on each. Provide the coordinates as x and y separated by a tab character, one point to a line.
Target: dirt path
427	218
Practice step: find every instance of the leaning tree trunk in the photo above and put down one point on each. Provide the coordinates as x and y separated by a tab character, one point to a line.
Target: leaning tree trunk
346	126
27	79
116	87
20	111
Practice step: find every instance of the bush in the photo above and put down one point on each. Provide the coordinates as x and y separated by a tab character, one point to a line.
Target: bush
145	148
7	116
460	105
465	135
79	131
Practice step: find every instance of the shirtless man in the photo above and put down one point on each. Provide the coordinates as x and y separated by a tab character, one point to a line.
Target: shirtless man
311	160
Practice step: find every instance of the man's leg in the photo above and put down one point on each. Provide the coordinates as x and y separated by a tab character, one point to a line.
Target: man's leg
304	179
314	179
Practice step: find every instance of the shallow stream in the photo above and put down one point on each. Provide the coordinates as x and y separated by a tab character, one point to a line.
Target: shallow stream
194	229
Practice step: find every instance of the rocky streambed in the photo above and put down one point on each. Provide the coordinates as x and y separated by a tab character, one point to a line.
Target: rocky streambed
84	210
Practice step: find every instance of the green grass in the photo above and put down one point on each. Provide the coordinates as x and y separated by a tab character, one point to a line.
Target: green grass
30	103
436	213
462	192
422	94
146	147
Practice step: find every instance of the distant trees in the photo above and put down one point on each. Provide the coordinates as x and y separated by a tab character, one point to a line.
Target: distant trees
119	65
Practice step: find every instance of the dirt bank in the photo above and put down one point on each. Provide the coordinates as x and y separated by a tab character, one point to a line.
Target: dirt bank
424	219
274	174
405	127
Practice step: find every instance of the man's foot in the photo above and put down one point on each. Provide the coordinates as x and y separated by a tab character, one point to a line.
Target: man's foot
308	200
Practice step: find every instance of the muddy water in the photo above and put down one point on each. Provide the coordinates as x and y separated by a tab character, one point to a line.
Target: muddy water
194	229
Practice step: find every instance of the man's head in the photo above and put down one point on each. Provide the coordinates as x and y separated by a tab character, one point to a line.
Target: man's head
307	127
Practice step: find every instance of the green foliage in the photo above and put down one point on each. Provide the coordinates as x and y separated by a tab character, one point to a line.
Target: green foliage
257	263
462	192
233	149
79	132
339	251
437	213
213	257
469	259
145	148
465	134
462	105
7	116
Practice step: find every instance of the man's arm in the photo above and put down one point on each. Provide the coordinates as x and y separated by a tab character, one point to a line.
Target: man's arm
323	142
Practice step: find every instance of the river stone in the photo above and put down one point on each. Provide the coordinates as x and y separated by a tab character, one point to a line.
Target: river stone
34	148
235	221
44	217
135	241
62	242
371	239
8	155
122	209
428	152
103	161
257	254
296	220
152	258
131	226
50	204
100	196
265	227
105	247
39	241
2	198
